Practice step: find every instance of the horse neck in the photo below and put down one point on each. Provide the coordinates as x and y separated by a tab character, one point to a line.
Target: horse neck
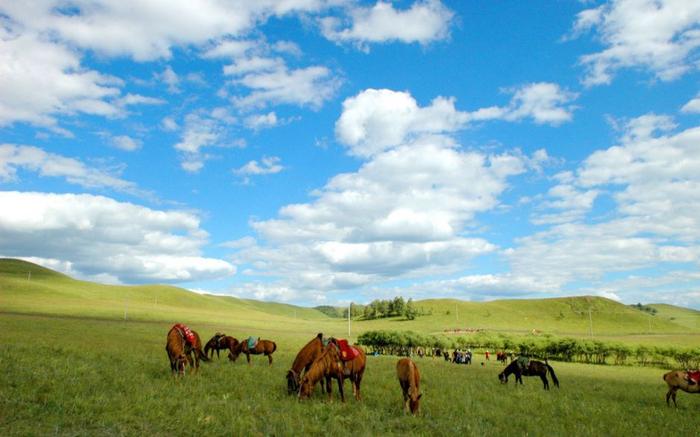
412	380
321	366
307	353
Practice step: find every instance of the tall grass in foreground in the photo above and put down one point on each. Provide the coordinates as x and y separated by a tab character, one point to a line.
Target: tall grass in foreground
91	377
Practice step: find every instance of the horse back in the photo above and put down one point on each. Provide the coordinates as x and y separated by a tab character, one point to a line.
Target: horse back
407	372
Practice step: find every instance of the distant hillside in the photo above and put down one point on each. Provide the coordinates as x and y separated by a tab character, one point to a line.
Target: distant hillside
682	316
566	315
29	288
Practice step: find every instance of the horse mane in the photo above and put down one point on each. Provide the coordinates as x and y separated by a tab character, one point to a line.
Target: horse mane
322	364
412	388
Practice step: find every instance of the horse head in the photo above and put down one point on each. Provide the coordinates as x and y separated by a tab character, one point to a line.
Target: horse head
235	351
503	378
414	400
292	381
306	388
180	364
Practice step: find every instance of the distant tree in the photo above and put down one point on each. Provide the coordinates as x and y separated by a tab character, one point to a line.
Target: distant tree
398	306
410	310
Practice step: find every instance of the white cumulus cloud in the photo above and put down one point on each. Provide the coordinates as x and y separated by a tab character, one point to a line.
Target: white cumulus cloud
98	235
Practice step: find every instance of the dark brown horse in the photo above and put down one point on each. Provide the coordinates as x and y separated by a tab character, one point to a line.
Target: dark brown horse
409	379
303	361
329	365
266	347
219	342
502	357
533	368
679	379
181	352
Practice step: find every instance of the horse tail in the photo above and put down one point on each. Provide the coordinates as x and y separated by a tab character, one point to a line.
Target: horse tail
551	373
274	346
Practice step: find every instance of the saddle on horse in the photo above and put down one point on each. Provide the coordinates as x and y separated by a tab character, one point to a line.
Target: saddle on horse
347	352
693	377
186	333
252	342
523	363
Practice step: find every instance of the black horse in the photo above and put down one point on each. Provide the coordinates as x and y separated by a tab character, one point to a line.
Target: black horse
533	368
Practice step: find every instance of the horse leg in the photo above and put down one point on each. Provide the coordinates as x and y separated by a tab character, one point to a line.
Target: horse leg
545	381
358	380
269	358
247	357
328	387
340	388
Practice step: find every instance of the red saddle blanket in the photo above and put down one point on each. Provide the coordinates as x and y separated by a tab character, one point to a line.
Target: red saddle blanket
186	332
695	376
347	352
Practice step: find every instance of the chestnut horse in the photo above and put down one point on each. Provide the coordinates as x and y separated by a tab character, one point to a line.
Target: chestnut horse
534	368
266	347
409	379
679	379
219	342
328	365
181	352
303	361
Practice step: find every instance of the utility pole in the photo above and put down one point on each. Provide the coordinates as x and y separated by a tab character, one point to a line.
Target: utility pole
590	322
29	275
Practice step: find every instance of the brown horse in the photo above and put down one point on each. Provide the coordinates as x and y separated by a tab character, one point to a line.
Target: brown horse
219	342
328	365
181	352
266	347
409	378
303	361
533	368
502	357
679	379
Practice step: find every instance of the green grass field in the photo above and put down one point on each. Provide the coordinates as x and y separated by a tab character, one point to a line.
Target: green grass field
73	366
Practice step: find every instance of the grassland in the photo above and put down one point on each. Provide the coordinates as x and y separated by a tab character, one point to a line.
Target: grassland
72	365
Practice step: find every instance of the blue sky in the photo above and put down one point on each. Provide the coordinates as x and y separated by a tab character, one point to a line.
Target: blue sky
317	152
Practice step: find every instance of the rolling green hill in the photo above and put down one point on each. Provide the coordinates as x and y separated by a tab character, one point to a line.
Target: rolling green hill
682	316
30	289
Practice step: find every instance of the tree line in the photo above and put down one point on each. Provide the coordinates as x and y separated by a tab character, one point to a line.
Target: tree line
561	349
377	309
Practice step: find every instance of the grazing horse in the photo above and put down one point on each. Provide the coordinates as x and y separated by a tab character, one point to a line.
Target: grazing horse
219	342
303	361
534	368
329	365
502	357
266	347
184	347
679	379
409	379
